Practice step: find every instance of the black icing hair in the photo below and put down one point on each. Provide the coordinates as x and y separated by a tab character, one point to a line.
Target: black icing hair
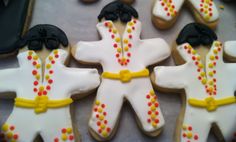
118	10
49	35
196	34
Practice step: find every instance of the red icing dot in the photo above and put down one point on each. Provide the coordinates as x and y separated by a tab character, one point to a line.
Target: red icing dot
15	136
105	113
194	58
50	81
128	54
130	45
34	72
45	92
184	135
99	130
53	62
97	116
156	104
51	71
149	112
95	109
149	120
34	63
103	105
157	120
98	123
56	140
48	87
35	89
36	83
196	137
105	121
12	128
190	128
63	130
112	36
157	113
106	24
130	36
71	137
149	104
39	93
108	129
56	55
115	45
148	97
29	57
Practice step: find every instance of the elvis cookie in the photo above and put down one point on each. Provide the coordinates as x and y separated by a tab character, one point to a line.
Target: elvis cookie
206	82
166	12
43	86
124	58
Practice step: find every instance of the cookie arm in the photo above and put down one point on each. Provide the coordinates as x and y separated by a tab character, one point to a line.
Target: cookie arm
170	77
88	52
8	80
230	48
153	51
82	80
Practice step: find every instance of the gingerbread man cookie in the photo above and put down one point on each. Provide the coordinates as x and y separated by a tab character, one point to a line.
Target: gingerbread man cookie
166	12
125	75
43	89
208	86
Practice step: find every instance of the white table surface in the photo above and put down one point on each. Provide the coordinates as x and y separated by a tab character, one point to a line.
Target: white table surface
78	20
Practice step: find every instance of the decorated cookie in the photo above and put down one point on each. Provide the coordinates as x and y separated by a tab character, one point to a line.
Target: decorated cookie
166	12
207	84
43	87
125	75
15	16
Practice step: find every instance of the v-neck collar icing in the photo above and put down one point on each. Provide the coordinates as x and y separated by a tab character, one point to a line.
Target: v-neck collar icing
122	44
207	74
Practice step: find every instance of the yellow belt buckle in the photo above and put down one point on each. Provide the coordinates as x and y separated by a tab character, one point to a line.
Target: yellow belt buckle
211	104
41	104
125	75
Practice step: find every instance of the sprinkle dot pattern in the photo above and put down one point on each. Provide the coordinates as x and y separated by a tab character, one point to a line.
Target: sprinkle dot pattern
153	105
169	7
101	114
210	82
7	133
66	135
188	134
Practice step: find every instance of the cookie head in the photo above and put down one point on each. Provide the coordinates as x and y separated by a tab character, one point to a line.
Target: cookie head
196	34
117	10
44	35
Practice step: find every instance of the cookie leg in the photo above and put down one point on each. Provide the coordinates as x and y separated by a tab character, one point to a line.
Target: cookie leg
58	126
195	126
227	124
106	111
18	132
145	104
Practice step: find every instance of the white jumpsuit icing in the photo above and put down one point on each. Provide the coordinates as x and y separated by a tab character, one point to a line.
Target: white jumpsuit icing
133	57
209	95
58	83
169	9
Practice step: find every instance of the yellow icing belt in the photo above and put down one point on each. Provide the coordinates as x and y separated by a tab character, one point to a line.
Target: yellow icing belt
210	103
42	103
126	75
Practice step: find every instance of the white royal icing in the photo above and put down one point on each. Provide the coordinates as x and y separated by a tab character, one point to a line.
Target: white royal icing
134	55
218	82
207	9
58	83
168	9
